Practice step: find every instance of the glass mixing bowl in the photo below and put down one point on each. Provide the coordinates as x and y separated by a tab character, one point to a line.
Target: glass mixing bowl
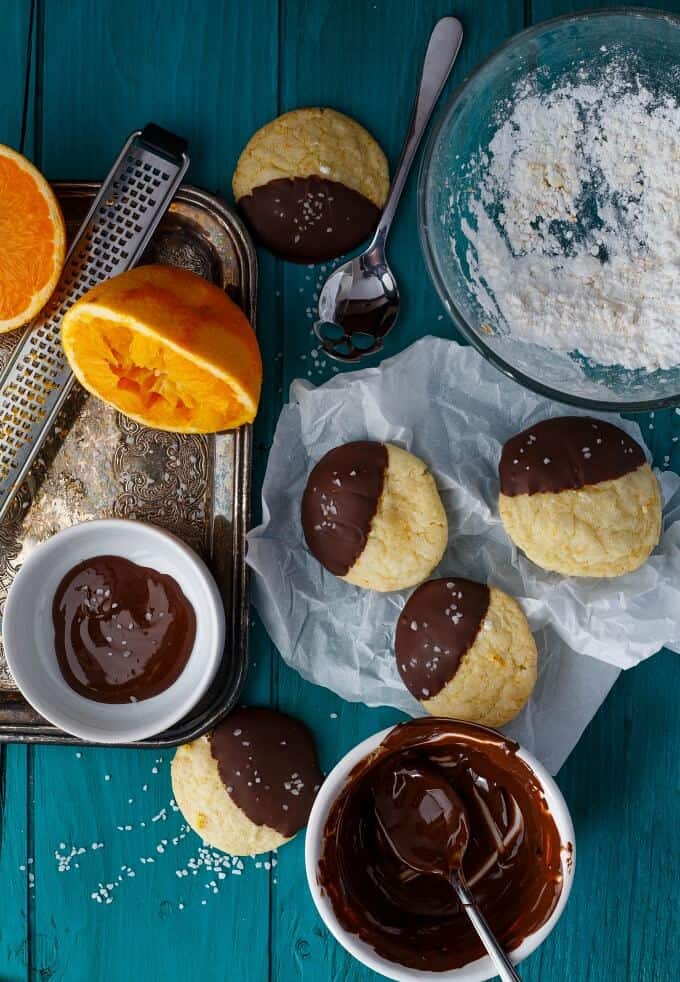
564	49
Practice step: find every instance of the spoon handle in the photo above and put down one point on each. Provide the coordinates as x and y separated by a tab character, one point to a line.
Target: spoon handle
503	966
441	53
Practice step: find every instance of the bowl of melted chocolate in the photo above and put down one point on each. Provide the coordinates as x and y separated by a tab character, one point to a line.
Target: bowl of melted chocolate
407	922
113	630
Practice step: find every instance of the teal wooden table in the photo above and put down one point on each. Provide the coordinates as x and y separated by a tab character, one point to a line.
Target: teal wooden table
97	879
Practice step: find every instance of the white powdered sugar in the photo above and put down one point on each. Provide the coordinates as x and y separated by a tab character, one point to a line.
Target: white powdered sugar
574	230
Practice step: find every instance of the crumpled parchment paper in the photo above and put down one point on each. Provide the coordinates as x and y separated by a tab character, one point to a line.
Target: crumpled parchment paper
444	403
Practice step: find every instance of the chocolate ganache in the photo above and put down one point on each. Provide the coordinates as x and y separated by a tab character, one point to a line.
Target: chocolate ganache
512	863
421	817
439	623
340	501
309	219
267	762
565	454
122	632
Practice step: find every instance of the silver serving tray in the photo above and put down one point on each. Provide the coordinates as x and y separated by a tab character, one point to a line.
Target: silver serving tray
98	463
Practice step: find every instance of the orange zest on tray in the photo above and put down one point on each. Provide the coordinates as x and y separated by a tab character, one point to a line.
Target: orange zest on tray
32	240
166	348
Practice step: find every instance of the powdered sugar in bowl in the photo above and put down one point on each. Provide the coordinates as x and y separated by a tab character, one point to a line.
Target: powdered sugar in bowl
549	205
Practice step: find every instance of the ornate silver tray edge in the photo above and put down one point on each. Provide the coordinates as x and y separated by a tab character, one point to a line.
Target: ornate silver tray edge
18	721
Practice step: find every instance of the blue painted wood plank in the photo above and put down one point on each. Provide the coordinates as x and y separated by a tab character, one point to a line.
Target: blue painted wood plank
14	50
121	890
543	9
16	871
621	784
206	70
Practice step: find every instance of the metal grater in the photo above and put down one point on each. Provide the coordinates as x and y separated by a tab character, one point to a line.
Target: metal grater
123	217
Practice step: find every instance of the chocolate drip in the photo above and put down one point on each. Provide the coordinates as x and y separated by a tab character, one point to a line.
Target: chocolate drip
566	453
340	501
436	627
309	219
122	632
268	764
512	863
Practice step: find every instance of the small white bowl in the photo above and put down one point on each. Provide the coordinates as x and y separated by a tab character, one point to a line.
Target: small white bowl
477	971
28	631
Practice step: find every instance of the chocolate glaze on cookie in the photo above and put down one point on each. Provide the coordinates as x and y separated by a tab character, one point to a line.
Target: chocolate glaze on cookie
436	627
309	219
512	863
268	764
566	453
340	501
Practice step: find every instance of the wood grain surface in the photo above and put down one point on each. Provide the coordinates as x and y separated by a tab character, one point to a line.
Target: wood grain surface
77	77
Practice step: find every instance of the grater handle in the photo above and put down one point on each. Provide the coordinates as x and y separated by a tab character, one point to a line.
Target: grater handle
164	143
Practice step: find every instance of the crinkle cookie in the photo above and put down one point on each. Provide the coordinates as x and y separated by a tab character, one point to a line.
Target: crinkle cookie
579	498
248	786
465	650
311	184
372	515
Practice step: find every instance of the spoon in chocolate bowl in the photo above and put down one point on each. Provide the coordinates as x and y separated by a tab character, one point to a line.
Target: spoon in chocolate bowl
426	825
359	301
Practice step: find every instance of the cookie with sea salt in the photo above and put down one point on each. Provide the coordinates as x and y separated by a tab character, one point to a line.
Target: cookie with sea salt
248	786
372	515
466	651
579	498
311	184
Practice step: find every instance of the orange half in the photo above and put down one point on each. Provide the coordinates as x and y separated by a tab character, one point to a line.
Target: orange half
166	348
32	240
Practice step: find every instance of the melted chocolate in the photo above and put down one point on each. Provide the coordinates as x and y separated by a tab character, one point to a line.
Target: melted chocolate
565	454
122	632
340	500
268	764
436	627
421	817
512	864
309	219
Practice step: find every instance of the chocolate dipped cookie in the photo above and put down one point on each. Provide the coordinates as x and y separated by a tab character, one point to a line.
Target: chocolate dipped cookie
311	184
372	515
578	497
248	786
465	650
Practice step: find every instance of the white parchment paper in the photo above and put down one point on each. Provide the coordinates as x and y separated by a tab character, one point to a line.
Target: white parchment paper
444	403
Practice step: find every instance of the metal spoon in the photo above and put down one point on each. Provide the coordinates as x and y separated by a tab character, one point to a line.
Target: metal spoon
359	302
426	825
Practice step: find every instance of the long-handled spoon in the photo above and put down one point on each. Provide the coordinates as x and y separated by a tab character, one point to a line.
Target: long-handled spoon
359	302
426	825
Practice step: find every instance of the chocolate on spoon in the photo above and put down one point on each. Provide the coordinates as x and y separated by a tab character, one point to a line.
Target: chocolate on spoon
425	824
422	818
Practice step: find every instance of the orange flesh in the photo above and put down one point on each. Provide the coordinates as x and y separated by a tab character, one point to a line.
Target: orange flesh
144	378
27	240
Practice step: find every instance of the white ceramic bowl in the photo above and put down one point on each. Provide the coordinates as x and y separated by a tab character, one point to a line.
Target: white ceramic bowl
477	971
28	631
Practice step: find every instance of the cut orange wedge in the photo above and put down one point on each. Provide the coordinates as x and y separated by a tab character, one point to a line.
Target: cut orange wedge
32	240
166	348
